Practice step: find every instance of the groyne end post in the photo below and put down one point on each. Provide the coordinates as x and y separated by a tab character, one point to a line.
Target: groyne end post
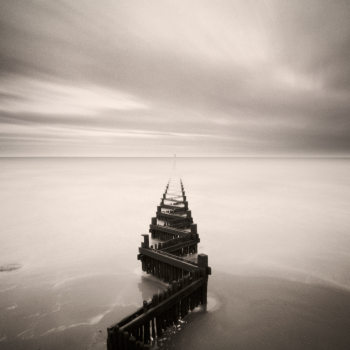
203	265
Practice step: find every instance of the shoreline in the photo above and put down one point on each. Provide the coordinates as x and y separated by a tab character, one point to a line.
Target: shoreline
268	312
246	312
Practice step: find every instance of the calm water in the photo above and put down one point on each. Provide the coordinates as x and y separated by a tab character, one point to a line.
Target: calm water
276	232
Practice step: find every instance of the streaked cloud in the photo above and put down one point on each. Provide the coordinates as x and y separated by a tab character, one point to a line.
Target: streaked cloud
222	78
28	95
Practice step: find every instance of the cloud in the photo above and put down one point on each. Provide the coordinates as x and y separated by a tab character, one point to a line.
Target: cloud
232	76
22	95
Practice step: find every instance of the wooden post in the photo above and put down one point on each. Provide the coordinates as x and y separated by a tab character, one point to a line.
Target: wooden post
184	301
156	268
203	265
160	270
174	286
112	338
193	229
147	264
182	313
187	302
155	296
141	333
163	296
143	260
158	319
172	277
154	221
192	304
132	343
161	316
197	294
126	340
165	273
166	296
146	241
146	325
137	334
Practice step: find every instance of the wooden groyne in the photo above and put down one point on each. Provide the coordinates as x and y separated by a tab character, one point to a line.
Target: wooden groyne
177	238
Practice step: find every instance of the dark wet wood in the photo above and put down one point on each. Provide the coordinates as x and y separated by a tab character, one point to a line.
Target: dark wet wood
169	229
187	280
180	246
164	305
167	259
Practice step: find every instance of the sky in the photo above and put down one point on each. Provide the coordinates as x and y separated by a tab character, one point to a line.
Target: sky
220	78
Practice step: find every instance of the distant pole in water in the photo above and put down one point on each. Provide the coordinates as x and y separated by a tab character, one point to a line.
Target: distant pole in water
174	161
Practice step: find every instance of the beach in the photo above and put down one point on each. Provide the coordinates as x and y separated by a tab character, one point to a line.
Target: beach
276	231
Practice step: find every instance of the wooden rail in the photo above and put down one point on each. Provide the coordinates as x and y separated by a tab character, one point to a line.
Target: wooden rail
166	233
188	281
169	206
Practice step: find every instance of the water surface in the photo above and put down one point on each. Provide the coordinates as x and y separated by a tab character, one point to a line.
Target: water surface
276	232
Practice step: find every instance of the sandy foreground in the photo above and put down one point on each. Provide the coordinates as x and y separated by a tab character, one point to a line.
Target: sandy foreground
242	313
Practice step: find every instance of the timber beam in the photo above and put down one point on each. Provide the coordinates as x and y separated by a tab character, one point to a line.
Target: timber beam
180	246
168	259
169	229
164	305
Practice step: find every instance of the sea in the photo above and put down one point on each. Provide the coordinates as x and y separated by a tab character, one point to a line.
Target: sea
276	231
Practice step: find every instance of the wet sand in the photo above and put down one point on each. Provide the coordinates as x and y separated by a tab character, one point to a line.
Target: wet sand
244	312
267	313
71	314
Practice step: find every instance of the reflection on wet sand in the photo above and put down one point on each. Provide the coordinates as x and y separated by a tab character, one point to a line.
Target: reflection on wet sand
268	313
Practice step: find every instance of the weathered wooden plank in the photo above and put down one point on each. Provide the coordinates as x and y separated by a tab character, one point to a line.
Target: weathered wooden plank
173	215
169	229
164	305
172	198
168	259
169	206
180	202
173	194
180	246
173	210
